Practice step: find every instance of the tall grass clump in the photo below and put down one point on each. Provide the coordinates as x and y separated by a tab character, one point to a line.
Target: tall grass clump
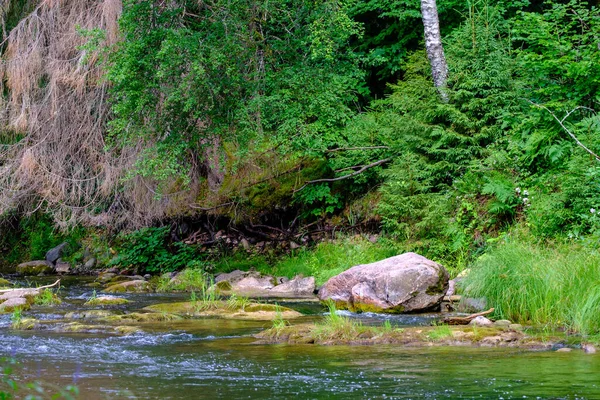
553	285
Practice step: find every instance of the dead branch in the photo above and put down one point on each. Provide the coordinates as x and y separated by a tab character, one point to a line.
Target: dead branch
30	289
360	171
466	320
561	123
358	148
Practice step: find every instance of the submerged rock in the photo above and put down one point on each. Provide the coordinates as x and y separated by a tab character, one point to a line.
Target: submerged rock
404	283
89	314
137	286
222	309
106	301
11	304
34	268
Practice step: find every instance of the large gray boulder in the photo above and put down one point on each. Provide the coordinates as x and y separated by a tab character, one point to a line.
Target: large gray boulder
54	254
404	283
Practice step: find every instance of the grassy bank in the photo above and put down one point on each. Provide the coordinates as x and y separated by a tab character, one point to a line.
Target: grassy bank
556	285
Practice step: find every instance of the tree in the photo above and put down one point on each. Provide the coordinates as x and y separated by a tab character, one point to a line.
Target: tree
434	47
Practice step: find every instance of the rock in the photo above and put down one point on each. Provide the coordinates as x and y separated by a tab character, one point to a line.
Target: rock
294	246
138	286
481	321
62	267
105	277
252	284
89	314
373	238
245	244
89	264
33	268
451	288
147	277
503	323
231	277
564	350
5	283
297	287
588	348
54	254
404	283
15	302
515	327
471	305
252	311
106	301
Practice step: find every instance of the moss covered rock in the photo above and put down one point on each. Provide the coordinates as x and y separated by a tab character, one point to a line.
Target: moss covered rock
137	286
138	317
222	309
106	301
5	283
89	314
33	268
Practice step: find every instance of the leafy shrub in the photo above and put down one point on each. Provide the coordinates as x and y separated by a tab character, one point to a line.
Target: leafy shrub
148	250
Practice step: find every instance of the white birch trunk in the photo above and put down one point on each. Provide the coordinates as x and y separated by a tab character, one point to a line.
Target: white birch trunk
433	45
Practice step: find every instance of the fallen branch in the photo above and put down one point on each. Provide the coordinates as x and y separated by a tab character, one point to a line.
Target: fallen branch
360	171
25	289
466	320
358	148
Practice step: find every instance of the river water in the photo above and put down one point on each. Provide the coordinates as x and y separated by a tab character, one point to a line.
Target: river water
217	359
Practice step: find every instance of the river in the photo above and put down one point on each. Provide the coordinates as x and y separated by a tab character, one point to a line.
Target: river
218	359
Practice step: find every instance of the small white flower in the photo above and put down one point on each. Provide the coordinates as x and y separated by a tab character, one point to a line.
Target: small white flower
525	193
518	190
593	210
525	200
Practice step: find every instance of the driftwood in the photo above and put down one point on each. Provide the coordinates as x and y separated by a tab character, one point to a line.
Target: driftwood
29	289
465	320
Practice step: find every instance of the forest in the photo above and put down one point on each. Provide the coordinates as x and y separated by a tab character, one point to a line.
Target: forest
306	137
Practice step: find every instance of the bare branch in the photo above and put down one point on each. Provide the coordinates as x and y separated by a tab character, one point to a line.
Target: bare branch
360	171
358	148
561	123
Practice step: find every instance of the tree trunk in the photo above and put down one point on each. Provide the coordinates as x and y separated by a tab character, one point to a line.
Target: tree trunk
433	45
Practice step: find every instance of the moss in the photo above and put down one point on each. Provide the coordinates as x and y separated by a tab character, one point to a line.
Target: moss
222	309
440	288
127	330
142	317
89	314
129	287
25	324
5	283
106	301
224	286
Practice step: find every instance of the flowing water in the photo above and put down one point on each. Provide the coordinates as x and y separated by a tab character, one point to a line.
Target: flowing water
217	359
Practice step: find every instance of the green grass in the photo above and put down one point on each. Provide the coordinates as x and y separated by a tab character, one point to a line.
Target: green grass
324	261
188	280
47	297
440	332
557	286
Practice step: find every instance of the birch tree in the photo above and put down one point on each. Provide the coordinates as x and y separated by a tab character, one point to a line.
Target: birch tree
433	45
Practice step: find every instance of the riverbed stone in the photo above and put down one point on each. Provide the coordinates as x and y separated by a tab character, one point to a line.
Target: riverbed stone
564	350
62	267
106	301
222	309
471	305
297	287
34	268
11	304
89	314
405	283
588	348
481	321
137	286
502	323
